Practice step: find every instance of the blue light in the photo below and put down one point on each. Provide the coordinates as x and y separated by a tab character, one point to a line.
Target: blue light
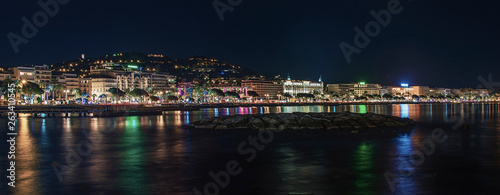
405	111
404	85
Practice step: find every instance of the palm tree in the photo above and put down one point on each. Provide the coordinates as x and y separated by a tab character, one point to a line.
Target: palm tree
31	90
232	94
59	88
50	88
116	93
172	98
105	98
387	96
77	92
52	85
217	93
139	93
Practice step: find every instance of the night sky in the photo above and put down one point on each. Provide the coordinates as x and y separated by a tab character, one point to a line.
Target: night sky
435	43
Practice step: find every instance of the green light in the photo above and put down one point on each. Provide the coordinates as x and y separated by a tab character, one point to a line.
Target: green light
362	83
133	66
362	109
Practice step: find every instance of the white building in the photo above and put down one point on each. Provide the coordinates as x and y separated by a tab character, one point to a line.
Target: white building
158	82
43	74
24	73
101	85
294	87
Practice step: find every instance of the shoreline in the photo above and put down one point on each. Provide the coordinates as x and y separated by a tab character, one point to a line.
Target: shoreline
112	110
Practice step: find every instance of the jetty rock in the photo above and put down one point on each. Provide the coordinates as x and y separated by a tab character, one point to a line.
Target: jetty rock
299	120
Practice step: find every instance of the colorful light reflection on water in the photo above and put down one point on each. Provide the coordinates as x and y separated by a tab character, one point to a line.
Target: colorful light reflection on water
155	153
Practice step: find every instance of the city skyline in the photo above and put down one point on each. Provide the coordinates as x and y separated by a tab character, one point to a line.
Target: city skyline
283	77
413	47
211	97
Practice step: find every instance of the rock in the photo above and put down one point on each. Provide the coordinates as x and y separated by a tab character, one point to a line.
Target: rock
270	122
221	127
298	120
256	123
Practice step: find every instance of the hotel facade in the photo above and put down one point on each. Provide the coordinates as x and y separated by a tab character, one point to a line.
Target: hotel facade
294	87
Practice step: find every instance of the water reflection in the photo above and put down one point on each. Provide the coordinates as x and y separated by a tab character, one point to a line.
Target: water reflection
132	176
27	160
402	167
156	153
363	166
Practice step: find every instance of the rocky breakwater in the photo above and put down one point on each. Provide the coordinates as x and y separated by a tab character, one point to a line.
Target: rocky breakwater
283	121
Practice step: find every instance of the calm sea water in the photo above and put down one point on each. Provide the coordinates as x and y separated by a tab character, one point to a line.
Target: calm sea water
157	155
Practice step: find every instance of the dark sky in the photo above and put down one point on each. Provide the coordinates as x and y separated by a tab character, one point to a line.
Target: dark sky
436	43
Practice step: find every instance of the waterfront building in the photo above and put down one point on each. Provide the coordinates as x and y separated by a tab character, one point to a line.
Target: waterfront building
40	74
385	90
5	75
159	81
264	88
405	91
85	85
130	77
171	82
357	89
439	91
340	89
226	84
68	80
128	81
294	87
476	92
101	85
24	73
43	75
420	90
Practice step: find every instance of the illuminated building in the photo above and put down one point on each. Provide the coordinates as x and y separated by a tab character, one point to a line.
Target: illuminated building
358	89
43	74
265	89
294	87
85	85
226	84
420	90
40	74
158	82
68	80
24	73
478	92
101	85
439	91
5	75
